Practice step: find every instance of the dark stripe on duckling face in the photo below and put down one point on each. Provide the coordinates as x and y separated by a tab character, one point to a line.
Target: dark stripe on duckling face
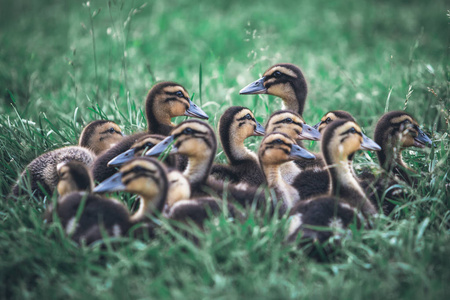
190	133
278	144
137	172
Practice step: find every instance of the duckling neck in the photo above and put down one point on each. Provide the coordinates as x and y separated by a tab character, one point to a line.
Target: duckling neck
282	188
160	123
296	99
391	160
235	149
148	205
198	168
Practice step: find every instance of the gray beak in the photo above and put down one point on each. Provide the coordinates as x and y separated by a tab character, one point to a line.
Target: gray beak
112	184
310	133
256	87
259	130
298	152
422	140
316	127
195	111
121	158
369	144
162	146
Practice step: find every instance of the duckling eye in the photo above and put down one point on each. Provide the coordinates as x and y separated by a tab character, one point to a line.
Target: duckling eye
187	131
352	130
148	144
328	120
288	120
278	141
248	117
276	74
180	94
111	130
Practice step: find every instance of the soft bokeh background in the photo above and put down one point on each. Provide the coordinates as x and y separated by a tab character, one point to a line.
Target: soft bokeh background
66	63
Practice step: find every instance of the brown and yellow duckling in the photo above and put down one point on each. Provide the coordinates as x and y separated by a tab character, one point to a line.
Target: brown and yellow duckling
99	136
394	132
143	176
293	125
282	80
235	125
275	150
340	141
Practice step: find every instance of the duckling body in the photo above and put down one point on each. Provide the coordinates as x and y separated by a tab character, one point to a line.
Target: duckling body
336	209
144	176
394	132
235	125
40	175
99	136
181	207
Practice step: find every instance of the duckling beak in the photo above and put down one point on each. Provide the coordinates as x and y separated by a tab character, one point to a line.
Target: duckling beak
122	158
162	146
316	127
369	144
422	140
298	152
112	184
309	133
256	87
195	111
259	130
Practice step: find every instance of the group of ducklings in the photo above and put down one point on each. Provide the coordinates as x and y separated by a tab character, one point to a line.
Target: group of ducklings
315	189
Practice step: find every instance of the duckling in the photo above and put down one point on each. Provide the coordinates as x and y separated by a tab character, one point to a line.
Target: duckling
235	125
293	125
40	175
276	149
196	140
130	147
165	101
99	136
282	80
73	176
395	131
340	141
181	207
144	176
315	181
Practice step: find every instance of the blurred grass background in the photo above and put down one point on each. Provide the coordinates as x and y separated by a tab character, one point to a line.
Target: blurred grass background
66	63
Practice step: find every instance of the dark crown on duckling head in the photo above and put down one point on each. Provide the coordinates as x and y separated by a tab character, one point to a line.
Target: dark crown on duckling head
275	141
279	119
194	129
105	133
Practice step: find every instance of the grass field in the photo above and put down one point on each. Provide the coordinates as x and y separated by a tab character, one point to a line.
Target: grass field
64	64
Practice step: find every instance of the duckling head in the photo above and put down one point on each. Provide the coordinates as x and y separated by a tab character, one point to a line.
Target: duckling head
179	187
144	176
342	138
282	80
73	176
195	139
139	148
167	100
100	135
236	124
400	128
278	148
291	124
333	116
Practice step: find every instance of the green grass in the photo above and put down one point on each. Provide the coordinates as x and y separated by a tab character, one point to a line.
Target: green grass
64	64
